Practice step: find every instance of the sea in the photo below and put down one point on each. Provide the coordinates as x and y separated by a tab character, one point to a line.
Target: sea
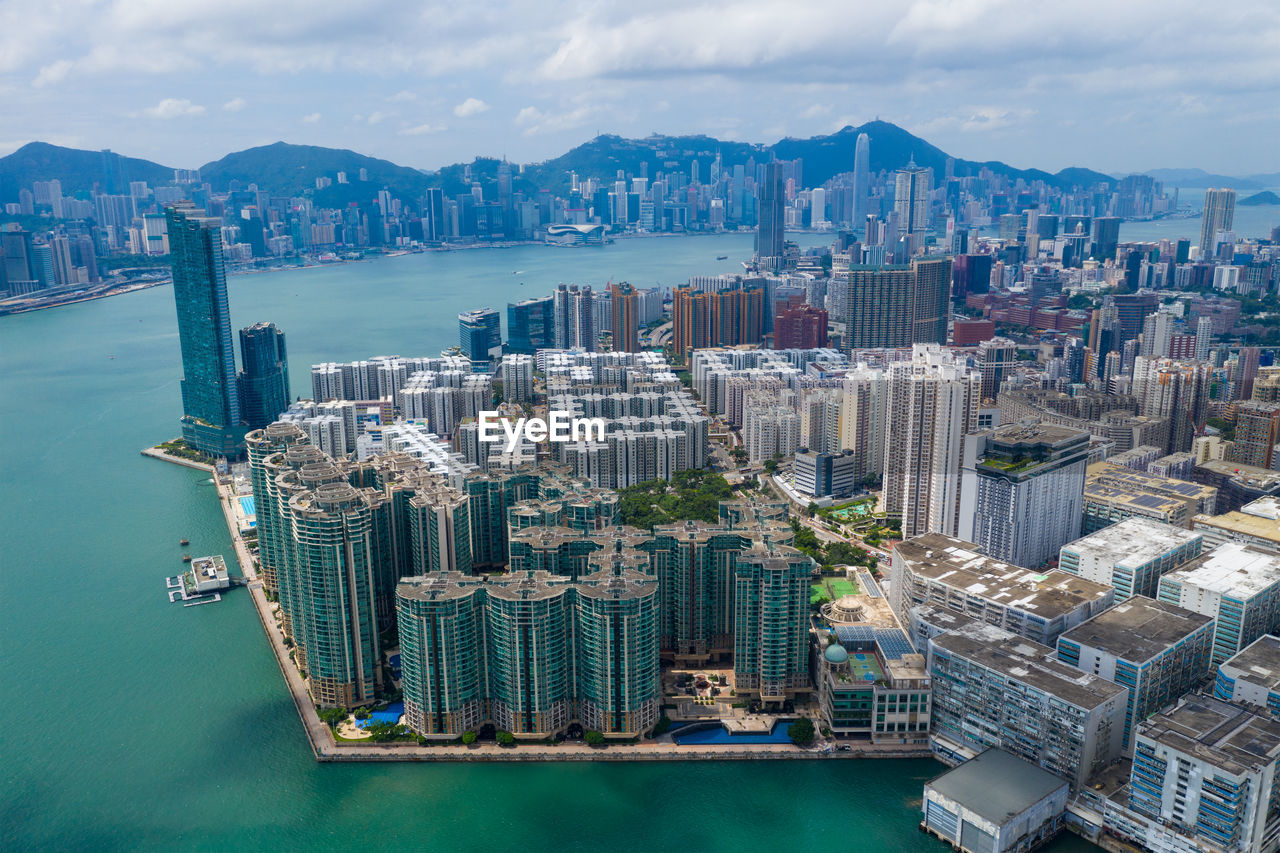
127	722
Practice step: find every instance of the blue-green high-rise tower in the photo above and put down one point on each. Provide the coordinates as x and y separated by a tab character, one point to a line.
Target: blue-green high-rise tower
210	398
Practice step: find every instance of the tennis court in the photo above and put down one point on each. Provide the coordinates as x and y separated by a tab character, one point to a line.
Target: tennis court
832	589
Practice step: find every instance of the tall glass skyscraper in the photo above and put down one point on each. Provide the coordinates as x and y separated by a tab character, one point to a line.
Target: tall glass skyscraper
264	380
770	232
531	325
480	334
210	399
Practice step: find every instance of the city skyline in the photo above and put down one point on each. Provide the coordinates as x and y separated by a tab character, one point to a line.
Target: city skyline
203	80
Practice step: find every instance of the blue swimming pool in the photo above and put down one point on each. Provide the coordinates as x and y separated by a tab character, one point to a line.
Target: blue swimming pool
246	504
391	715
720	737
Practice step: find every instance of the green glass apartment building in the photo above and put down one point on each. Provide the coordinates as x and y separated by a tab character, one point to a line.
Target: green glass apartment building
211	419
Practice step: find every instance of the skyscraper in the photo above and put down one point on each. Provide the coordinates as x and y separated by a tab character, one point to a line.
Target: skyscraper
264	377
1219	213
896	306
861	177
772	200
911	198
211	419
531	325
480	334
1106	236
1022	491
933	403
800	327
624	317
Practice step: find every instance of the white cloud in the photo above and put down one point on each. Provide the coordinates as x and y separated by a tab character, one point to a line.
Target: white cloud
470	107
530	115
174	108
376	117
234	105
403	96
420	130
311	118
53	73
815	111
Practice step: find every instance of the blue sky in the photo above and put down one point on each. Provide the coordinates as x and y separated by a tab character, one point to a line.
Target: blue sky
1117	86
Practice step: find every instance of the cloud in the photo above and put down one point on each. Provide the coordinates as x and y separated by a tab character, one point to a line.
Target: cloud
815	111
470	107
174	108
376	117
234	105
535	121
420	130
53	73
402	96
311	118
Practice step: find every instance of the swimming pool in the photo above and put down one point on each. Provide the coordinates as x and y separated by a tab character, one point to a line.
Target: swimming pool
392	715
717	735
246	504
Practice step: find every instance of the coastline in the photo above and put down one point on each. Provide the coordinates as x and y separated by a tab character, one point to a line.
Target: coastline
326	748
121	288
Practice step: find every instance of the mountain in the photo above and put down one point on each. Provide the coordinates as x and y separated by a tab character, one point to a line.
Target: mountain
1199	178
284	169
823	157
291	170
1264	197
78	170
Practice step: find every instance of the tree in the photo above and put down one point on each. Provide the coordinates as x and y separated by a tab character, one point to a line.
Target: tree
505	738
332	717
770	465
468	738
593	738
811	509
801	731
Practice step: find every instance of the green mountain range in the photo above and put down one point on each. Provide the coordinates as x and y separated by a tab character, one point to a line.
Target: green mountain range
286	169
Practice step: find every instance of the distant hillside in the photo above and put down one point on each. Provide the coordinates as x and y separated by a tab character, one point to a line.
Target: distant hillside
1265	197
1199	178
823	157
78	170
291	170
284	169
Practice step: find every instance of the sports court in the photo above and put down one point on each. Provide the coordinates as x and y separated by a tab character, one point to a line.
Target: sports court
832	589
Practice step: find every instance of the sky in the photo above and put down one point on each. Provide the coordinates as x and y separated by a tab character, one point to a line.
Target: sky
1119	86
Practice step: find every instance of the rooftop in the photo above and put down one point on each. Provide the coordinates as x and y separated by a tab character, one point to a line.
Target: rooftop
1257	663
1132	542
996	785
1138	629
1116	484
958	564
1257	478
1029	663
1221	734
1258	520
1233	568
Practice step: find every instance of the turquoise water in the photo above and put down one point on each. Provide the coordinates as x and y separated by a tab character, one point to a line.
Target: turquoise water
718	735
174	729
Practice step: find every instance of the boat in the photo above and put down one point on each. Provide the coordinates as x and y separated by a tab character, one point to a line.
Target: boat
722	257
184	542
186	558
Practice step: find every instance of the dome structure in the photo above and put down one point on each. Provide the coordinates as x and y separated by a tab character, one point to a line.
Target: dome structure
836	653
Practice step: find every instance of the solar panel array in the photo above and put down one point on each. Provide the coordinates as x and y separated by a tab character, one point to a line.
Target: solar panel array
893	643
869	585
